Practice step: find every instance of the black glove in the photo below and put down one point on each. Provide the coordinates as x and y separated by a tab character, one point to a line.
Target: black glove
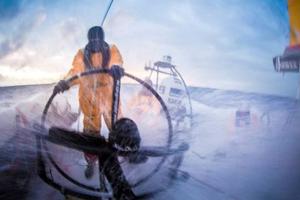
61	86
117	71
125	135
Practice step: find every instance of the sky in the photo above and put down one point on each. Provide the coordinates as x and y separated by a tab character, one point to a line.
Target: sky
214	43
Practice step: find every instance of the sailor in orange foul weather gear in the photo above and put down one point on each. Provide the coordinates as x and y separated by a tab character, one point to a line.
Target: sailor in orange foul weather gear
95	91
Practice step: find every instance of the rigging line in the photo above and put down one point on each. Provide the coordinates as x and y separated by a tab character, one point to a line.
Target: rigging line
107	10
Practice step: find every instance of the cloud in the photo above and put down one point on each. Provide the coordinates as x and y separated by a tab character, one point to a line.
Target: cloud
17	39
70	29
120	22
26	75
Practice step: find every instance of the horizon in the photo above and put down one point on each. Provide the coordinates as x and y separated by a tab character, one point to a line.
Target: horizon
189	86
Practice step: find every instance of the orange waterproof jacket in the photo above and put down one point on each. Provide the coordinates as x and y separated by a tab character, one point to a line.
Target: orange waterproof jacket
294	17
95	91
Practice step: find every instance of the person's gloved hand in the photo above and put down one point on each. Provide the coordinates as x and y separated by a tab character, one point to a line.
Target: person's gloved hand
61	86
125	135
117	71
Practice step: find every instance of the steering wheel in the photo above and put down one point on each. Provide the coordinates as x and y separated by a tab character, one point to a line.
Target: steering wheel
162	152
